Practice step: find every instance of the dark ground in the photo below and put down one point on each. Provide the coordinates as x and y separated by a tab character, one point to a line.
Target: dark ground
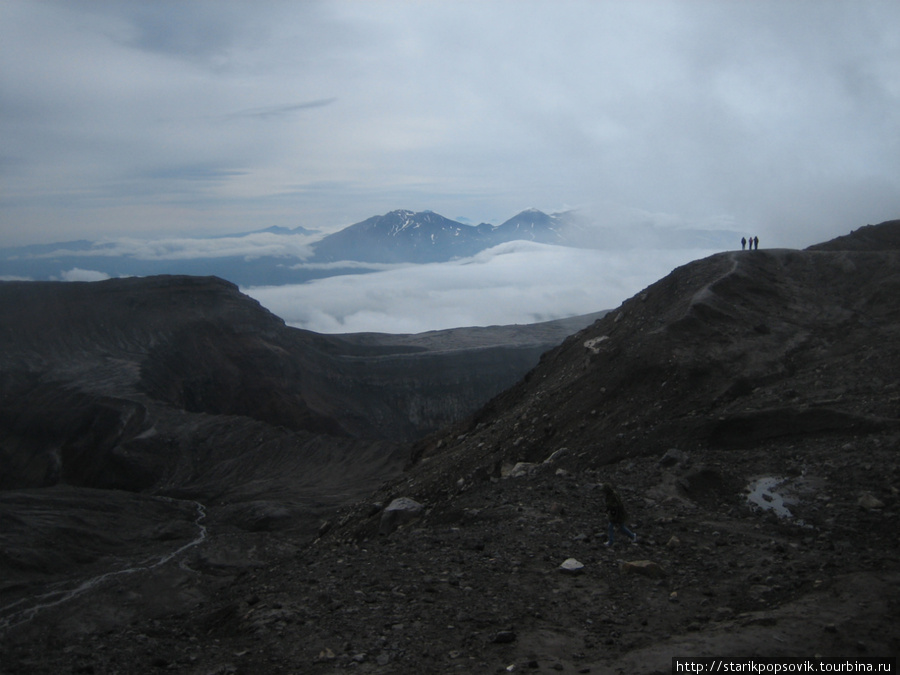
739	367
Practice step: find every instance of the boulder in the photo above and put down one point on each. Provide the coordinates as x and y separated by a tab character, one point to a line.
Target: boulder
399	512
571	566
520	469
869	501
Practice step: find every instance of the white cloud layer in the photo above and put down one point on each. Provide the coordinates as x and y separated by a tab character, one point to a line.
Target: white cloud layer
77	274
254	245
514	283
159	119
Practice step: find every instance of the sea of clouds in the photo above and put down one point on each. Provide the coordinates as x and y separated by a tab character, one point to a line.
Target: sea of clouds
514	283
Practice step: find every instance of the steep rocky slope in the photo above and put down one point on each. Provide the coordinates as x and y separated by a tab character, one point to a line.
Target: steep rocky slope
131	407
767	375
111	448
747	409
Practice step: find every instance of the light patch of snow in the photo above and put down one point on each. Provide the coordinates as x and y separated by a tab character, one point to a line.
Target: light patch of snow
594	343
764	493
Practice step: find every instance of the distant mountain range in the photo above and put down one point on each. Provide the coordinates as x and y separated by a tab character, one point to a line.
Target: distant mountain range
406	236
278	255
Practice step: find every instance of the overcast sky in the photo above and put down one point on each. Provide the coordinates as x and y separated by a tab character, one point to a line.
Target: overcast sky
161	118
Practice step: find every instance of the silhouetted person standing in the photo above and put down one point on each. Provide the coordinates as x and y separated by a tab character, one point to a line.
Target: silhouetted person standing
743	243
616	511
756	243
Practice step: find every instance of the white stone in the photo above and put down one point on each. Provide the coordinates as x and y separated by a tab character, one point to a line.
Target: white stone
571	566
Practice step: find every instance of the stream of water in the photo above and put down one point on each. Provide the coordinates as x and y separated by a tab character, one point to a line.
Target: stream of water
57	597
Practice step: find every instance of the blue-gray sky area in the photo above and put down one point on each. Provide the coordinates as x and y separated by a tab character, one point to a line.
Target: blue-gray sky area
159	118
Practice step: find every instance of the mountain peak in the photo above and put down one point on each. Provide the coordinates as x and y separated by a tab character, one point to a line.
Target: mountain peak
425	236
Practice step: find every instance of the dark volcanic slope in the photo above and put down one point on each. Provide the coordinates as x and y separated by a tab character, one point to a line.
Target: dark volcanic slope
775	365
746	365
101	383
869	238
101	368
764	374
734	352
135	413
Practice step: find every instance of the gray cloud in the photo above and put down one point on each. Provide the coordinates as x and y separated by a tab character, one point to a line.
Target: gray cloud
191	172
189	31
158	118
279	110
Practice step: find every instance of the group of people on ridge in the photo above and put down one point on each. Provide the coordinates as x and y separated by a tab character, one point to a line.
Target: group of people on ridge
753	241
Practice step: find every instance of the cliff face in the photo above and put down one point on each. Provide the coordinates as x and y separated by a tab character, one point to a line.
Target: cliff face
90	373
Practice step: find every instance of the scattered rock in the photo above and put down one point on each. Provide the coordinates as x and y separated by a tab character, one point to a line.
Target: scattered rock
571	566
224	669
326	655
520	469
399	512
556	455
645	568
504	637
672	457
870	502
